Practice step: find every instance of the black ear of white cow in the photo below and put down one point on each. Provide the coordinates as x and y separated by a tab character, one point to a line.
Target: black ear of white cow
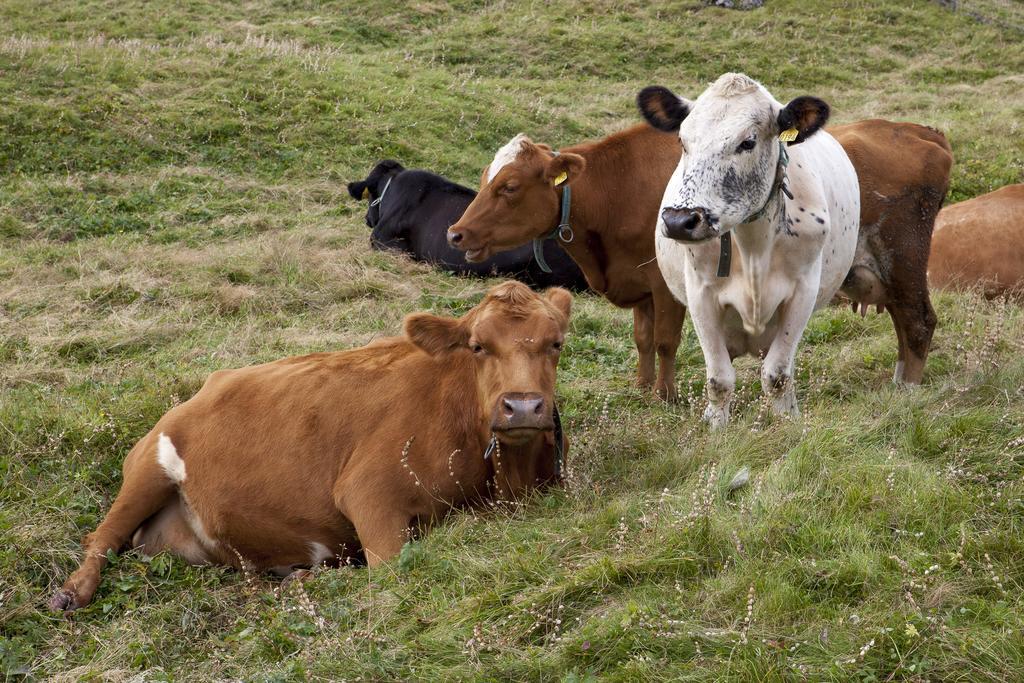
806	114
662	108
356	189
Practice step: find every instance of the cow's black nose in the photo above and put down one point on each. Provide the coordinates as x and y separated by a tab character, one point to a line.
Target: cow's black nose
686	224
680	222
454	237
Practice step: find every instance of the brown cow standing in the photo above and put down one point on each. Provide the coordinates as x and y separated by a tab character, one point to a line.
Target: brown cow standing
304	460
617	185
980	243
903	170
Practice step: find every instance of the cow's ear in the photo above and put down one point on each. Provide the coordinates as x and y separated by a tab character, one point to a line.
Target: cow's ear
389	167
805	115
662	108
434	334
564	168
357	189
560	299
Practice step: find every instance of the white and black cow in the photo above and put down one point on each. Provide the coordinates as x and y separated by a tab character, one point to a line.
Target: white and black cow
410	211
754	234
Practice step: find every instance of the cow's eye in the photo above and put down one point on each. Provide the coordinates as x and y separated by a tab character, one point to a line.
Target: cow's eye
477	348
509	189
747	145
557	346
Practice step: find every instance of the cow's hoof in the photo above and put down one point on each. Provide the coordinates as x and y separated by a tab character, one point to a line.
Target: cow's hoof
300	575
716	417
667	393
63	601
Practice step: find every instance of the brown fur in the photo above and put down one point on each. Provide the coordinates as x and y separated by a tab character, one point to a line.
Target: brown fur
903	169
309	449
979	243
617	184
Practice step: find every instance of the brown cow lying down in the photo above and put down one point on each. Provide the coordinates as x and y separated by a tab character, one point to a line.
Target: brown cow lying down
980	243
307	459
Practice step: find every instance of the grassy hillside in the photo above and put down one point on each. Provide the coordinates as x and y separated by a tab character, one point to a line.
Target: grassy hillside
172	202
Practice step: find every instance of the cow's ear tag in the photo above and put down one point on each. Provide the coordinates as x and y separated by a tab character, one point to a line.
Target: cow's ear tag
560	178
366	193
789	135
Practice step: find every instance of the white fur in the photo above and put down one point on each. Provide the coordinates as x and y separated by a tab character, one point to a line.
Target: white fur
777	280
506	155
167	456
318	553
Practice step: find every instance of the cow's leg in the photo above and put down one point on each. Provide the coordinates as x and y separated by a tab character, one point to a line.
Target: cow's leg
382	532
777	368
145	489
169	530
668	327
381	522
643	335
915	324
721	376
901	348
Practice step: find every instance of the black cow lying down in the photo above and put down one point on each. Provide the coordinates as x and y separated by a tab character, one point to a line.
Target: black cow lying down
411	210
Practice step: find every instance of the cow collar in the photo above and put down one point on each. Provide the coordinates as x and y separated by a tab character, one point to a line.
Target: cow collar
493	444
376	201
562	231
779	184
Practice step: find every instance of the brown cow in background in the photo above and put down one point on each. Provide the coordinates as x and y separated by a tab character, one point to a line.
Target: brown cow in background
980	243
617	183
307	459
903	170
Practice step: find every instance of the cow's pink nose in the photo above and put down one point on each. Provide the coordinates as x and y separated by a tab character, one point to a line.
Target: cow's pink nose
521	411
519	408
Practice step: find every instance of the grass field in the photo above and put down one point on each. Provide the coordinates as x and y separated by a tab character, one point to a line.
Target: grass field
172	202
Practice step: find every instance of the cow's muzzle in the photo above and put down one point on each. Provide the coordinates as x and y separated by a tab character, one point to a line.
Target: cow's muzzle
459	239
521	415
688	225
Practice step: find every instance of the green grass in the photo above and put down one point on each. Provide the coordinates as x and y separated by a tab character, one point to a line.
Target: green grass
172	202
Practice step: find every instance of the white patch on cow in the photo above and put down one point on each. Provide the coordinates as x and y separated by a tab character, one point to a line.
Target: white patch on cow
318	553
506	155
167	456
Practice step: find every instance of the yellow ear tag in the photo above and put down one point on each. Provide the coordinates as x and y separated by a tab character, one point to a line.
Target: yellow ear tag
789	135
366	193
560	178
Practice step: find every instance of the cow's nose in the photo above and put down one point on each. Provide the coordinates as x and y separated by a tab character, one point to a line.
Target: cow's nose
681	224
522	408
516	411
454	237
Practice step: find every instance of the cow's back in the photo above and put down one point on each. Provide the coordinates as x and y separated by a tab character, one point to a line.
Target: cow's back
980	243
891	157
894	160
